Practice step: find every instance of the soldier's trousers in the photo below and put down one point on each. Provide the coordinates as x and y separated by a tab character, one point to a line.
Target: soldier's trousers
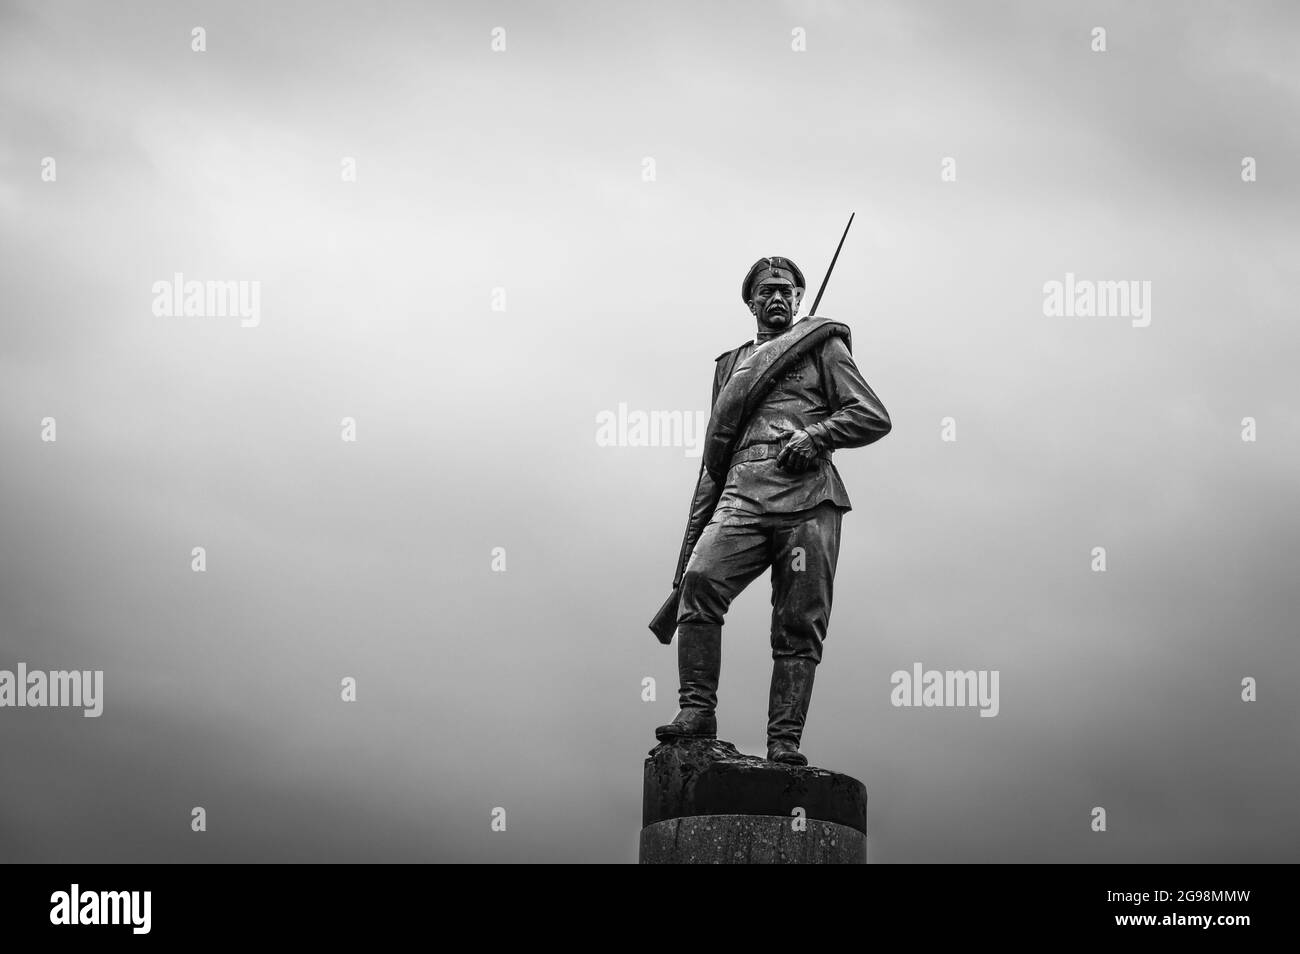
800	547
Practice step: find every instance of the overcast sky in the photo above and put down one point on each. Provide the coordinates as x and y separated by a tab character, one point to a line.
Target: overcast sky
524	170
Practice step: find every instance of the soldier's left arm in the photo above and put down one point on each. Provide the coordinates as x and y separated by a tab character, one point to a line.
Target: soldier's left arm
858	417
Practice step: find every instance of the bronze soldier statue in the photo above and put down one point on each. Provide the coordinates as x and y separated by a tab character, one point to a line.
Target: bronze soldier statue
769	496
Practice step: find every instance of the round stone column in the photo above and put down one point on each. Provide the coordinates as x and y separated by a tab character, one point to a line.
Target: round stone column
706	803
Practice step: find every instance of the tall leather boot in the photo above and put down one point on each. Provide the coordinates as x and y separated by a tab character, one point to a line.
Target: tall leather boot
787	707
699	661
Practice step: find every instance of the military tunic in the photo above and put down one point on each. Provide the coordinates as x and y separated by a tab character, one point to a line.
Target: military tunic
768	516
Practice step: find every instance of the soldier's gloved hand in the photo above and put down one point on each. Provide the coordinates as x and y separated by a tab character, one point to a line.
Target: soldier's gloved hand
798	454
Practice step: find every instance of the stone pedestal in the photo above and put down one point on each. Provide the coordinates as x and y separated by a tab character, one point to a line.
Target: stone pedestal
705	803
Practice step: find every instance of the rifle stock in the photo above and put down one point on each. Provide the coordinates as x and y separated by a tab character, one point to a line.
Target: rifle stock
664	625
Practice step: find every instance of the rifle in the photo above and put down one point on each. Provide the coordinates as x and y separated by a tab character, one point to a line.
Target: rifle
664	624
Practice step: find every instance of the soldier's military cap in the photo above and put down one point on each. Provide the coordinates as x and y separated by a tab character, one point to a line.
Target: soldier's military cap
766	269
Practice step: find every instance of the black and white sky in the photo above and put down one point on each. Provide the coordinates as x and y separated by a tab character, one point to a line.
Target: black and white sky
524	170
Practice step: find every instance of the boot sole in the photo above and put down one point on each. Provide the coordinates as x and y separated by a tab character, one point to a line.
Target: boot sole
665	736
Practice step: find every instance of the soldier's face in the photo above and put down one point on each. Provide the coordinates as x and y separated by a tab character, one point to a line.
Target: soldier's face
775	304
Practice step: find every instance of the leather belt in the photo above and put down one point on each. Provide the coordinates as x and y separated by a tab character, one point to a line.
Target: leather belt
763	452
